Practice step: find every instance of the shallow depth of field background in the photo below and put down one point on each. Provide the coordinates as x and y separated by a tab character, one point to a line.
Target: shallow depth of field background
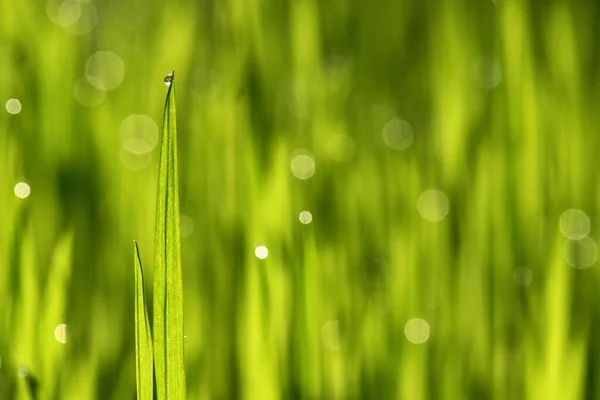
435	144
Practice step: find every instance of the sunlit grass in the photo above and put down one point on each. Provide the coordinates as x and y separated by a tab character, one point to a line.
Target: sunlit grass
168	285
144	366
300	107
162	358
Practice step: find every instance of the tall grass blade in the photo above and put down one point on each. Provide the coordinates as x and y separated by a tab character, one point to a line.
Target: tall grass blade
168	287
143	338
55	311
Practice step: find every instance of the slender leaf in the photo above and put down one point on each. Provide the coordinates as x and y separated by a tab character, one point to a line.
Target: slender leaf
55	312
143	338
168	287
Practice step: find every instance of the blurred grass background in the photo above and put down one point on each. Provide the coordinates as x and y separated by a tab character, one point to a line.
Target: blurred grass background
501	97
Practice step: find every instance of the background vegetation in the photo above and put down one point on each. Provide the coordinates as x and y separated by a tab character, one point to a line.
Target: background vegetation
502	98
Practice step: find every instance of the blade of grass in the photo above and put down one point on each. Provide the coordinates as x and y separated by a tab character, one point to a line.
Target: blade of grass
143	338
55	312
168	286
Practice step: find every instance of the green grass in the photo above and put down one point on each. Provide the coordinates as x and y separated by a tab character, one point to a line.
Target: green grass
168	286
259	82
144	366
166	352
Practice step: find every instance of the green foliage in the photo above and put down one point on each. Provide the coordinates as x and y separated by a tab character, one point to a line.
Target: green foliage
167	352
35	354
168	286
143	339
502	98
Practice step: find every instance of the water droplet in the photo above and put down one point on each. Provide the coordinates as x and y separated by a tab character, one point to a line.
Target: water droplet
169	79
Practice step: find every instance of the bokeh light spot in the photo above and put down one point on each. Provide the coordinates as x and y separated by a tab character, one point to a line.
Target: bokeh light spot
87	94
69	12
13	106
433	205
330	335
261	252
489	73
132	161
60	333
305	217
581	253
138	133
574	224
78	17
303	166
397	134
22	371
186	225
417	331
63	12
105	70
22	190
87	20
522	276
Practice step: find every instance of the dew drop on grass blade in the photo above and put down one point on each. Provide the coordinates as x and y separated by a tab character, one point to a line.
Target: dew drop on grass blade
168	286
